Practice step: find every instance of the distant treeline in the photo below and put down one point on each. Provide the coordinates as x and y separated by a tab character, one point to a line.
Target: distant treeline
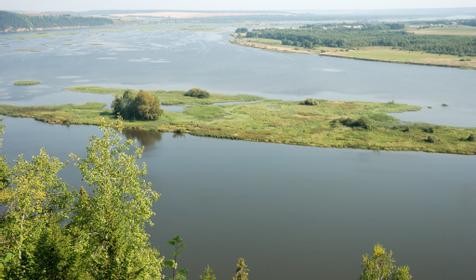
467	22
352	36
16	22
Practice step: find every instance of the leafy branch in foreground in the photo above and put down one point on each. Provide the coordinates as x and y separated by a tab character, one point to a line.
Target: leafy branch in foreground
242	270
48	232
178	244
208	274
110	224
381	266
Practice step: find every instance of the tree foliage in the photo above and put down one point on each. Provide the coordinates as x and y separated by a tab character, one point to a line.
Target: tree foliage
360	35
39	203
310	102
198	93
98	233
12	21
381	266
242	270
178	246
140	106
208	274
241	30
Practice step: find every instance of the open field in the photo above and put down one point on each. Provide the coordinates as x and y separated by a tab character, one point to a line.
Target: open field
384	54
457	30
362	125
401	56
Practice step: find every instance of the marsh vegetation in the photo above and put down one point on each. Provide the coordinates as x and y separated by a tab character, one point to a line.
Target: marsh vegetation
364	125
26	83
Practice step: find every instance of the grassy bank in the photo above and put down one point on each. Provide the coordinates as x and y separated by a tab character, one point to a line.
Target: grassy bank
26	83
383	54
171	97
363	125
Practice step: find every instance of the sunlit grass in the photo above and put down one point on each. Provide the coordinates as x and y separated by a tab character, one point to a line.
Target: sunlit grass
327	124
171	97
26	83
384	54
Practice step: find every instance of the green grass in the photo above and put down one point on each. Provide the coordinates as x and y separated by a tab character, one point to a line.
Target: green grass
284	122
26	83
401	56
455	30
383	54
171	97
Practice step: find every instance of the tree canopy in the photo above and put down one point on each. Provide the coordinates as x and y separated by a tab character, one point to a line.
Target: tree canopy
358	35
50	232
198	93
381	266
12	21
137	106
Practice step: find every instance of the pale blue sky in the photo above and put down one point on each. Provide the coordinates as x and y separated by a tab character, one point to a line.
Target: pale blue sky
80	5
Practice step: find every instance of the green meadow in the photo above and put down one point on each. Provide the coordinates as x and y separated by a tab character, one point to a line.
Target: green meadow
363	125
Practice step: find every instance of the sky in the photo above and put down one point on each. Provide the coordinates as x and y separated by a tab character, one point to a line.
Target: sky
82	5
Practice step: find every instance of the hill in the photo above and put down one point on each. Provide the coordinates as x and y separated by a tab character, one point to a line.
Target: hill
14	22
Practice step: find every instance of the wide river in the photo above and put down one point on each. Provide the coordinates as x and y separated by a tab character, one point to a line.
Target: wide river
292	212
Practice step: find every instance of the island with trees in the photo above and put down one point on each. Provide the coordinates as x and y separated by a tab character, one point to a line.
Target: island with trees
430	43
312	122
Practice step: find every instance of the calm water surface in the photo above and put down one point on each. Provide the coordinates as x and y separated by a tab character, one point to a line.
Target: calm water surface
294	211
171	56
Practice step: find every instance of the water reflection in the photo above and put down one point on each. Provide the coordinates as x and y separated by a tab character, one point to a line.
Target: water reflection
145	138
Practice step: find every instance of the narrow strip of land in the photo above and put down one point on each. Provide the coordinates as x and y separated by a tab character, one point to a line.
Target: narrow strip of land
322	123
382	54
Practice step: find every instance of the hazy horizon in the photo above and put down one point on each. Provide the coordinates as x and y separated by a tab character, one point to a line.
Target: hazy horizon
243	5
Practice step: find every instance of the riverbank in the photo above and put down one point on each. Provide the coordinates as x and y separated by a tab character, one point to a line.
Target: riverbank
363	125
379	54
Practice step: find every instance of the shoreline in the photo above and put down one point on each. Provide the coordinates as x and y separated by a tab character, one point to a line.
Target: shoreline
231	138
329	124
300	50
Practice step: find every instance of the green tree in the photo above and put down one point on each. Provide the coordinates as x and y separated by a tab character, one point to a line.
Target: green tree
140	106
39	204
197	93
208	274
147	106
178	244
242	270
123	105
109	225
381	266
4	173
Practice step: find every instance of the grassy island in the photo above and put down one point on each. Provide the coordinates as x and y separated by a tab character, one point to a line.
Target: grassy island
173	97
26	83
338	124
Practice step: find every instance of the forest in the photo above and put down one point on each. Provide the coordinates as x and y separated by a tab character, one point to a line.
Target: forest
359	35
14	21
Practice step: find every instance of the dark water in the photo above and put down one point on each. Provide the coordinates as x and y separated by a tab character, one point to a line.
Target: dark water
294	212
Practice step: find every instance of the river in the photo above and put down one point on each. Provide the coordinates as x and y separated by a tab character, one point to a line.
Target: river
292	212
